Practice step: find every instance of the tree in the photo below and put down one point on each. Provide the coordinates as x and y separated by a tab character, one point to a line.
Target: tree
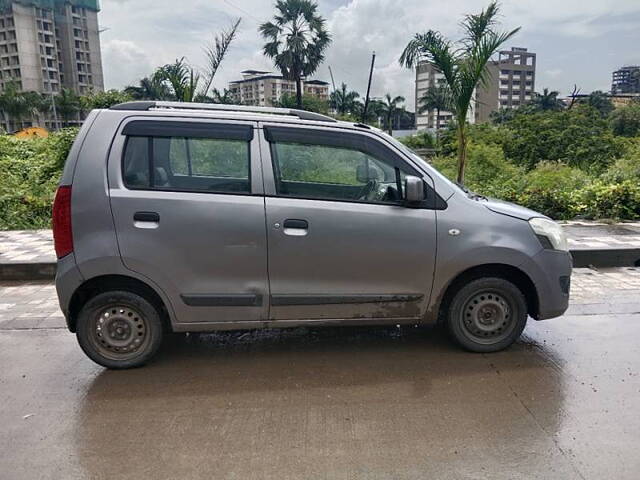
67	105
181	78
344	101
104	100
216	51
436	98
310	103
150	88
503	115
546	101
625	121
391	107
16	105
579	137
224	96
463	64
296	40
601	102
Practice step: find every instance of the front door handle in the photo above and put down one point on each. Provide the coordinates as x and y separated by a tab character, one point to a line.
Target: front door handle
295	227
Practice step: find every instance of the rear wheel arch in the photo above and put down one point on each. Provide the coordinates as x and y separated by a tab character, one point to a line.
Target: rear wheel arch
105	283
499	270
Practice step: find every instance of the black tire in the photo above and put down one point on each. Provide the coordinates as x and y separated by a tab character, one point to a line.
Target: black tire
119	330
487	315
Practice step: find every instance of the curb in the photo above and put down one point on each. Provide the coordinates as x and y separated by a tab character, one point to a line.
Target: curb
603	258
607	257
27	271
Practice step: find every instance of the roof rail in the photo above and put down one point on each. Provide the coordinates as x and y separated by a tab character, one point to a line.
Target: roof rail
154	105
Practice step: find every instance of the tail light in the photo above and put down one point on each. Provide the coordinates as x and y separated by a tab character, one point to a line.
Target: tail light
62	233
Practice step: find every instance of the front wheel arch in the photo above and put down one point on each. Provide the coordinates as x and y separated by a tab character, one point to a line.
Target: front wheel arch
498	270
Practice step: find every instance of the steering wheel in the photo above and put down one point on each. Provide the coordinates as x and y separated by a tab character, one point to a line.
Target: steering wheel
368	189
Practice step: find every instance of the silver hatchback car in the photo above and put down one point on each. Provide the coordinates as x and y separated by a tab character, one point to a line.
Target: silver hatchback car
174	217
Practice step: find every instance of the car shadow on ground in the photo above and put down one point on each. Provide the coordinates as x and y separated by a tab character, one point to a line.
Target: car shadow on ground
237	362
223	400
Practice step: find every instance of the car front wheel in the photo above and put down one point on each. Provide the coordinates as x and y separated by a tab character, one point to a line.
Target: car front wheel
487	315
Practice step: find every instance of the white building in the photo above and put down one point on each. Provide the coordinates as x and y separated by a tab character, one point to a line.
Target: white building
265	88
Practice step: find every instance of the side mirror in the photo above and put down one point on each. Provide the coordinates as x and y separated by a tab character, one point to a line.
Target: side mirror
414	189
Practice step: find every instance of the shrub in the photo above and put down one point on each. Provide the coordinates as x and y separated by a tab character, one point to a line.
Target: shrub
550	189
30	171
627	167
616	201
420	140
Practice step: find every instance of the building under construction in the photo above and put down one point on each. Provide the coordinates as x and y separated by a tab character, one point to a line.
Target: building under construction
47	45
626	80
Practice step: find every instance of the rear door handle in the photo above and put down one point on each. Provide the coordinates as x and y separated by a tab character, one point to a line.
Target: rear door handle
146	217
296	228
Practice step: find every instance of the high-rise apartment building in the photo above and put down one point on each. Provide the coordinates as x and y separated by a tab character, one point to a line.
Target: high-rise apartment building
510	83
626	80
47	45
265	89
428	76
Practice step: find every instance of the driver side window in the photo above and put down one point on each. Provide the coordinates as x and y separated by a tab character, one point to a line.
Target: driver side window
335	173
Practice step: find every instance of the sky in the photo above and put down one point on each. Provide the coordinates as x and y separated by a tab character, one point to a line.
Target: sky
577	41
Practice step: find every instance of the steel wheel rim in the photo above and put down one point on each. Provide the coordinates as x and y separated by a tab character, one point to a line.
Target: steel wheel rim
488	317
119	332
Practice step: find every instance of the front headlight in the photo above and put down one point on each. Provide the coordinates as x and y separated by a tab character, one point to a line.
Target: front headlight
551	232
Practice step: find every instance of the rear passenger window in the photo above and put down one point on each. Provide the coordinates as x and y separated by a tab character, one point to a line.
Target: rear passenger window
186	163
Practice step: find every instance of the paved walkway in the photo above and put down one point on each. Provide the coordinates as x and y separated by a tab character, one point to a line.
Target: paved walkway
36	246
34	305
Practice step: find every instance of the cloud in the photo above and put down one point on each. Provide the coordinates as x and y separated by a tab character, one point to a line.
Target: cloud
124	63
573	36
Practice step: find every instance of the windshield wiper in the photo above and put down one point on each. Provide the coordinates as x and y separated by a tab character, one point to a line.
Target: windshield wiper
470	194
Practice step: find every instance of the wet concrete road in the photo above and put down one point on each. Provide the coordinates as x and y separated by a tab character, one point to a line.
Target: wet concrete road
336	403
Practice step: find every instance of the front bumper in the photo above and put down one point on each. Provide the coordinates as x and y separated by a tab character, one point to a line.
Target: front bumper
550	271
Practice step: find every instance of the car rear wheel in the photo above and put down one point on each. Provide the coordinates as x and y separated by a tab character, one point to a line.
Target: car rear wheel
487	315
119	329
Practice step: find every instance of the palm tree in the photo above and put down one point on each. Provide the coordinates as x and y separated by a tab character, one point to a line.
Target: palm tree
391	107
150	88
296	40
463	64
344	101
547	101
182	79
67	105
16	105
436	98
216	51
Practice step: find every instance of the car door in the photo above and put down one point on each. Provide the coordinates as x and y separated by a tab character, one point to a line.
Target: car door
188	208
342	242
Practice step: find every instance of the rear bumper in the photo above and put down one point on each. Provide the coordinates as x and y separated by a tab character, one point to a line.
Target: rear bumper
550	271
68	279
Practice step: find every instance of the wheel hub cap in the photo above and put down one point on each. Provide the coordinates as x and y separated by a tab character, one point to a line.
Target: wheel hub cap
487	315
120	330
